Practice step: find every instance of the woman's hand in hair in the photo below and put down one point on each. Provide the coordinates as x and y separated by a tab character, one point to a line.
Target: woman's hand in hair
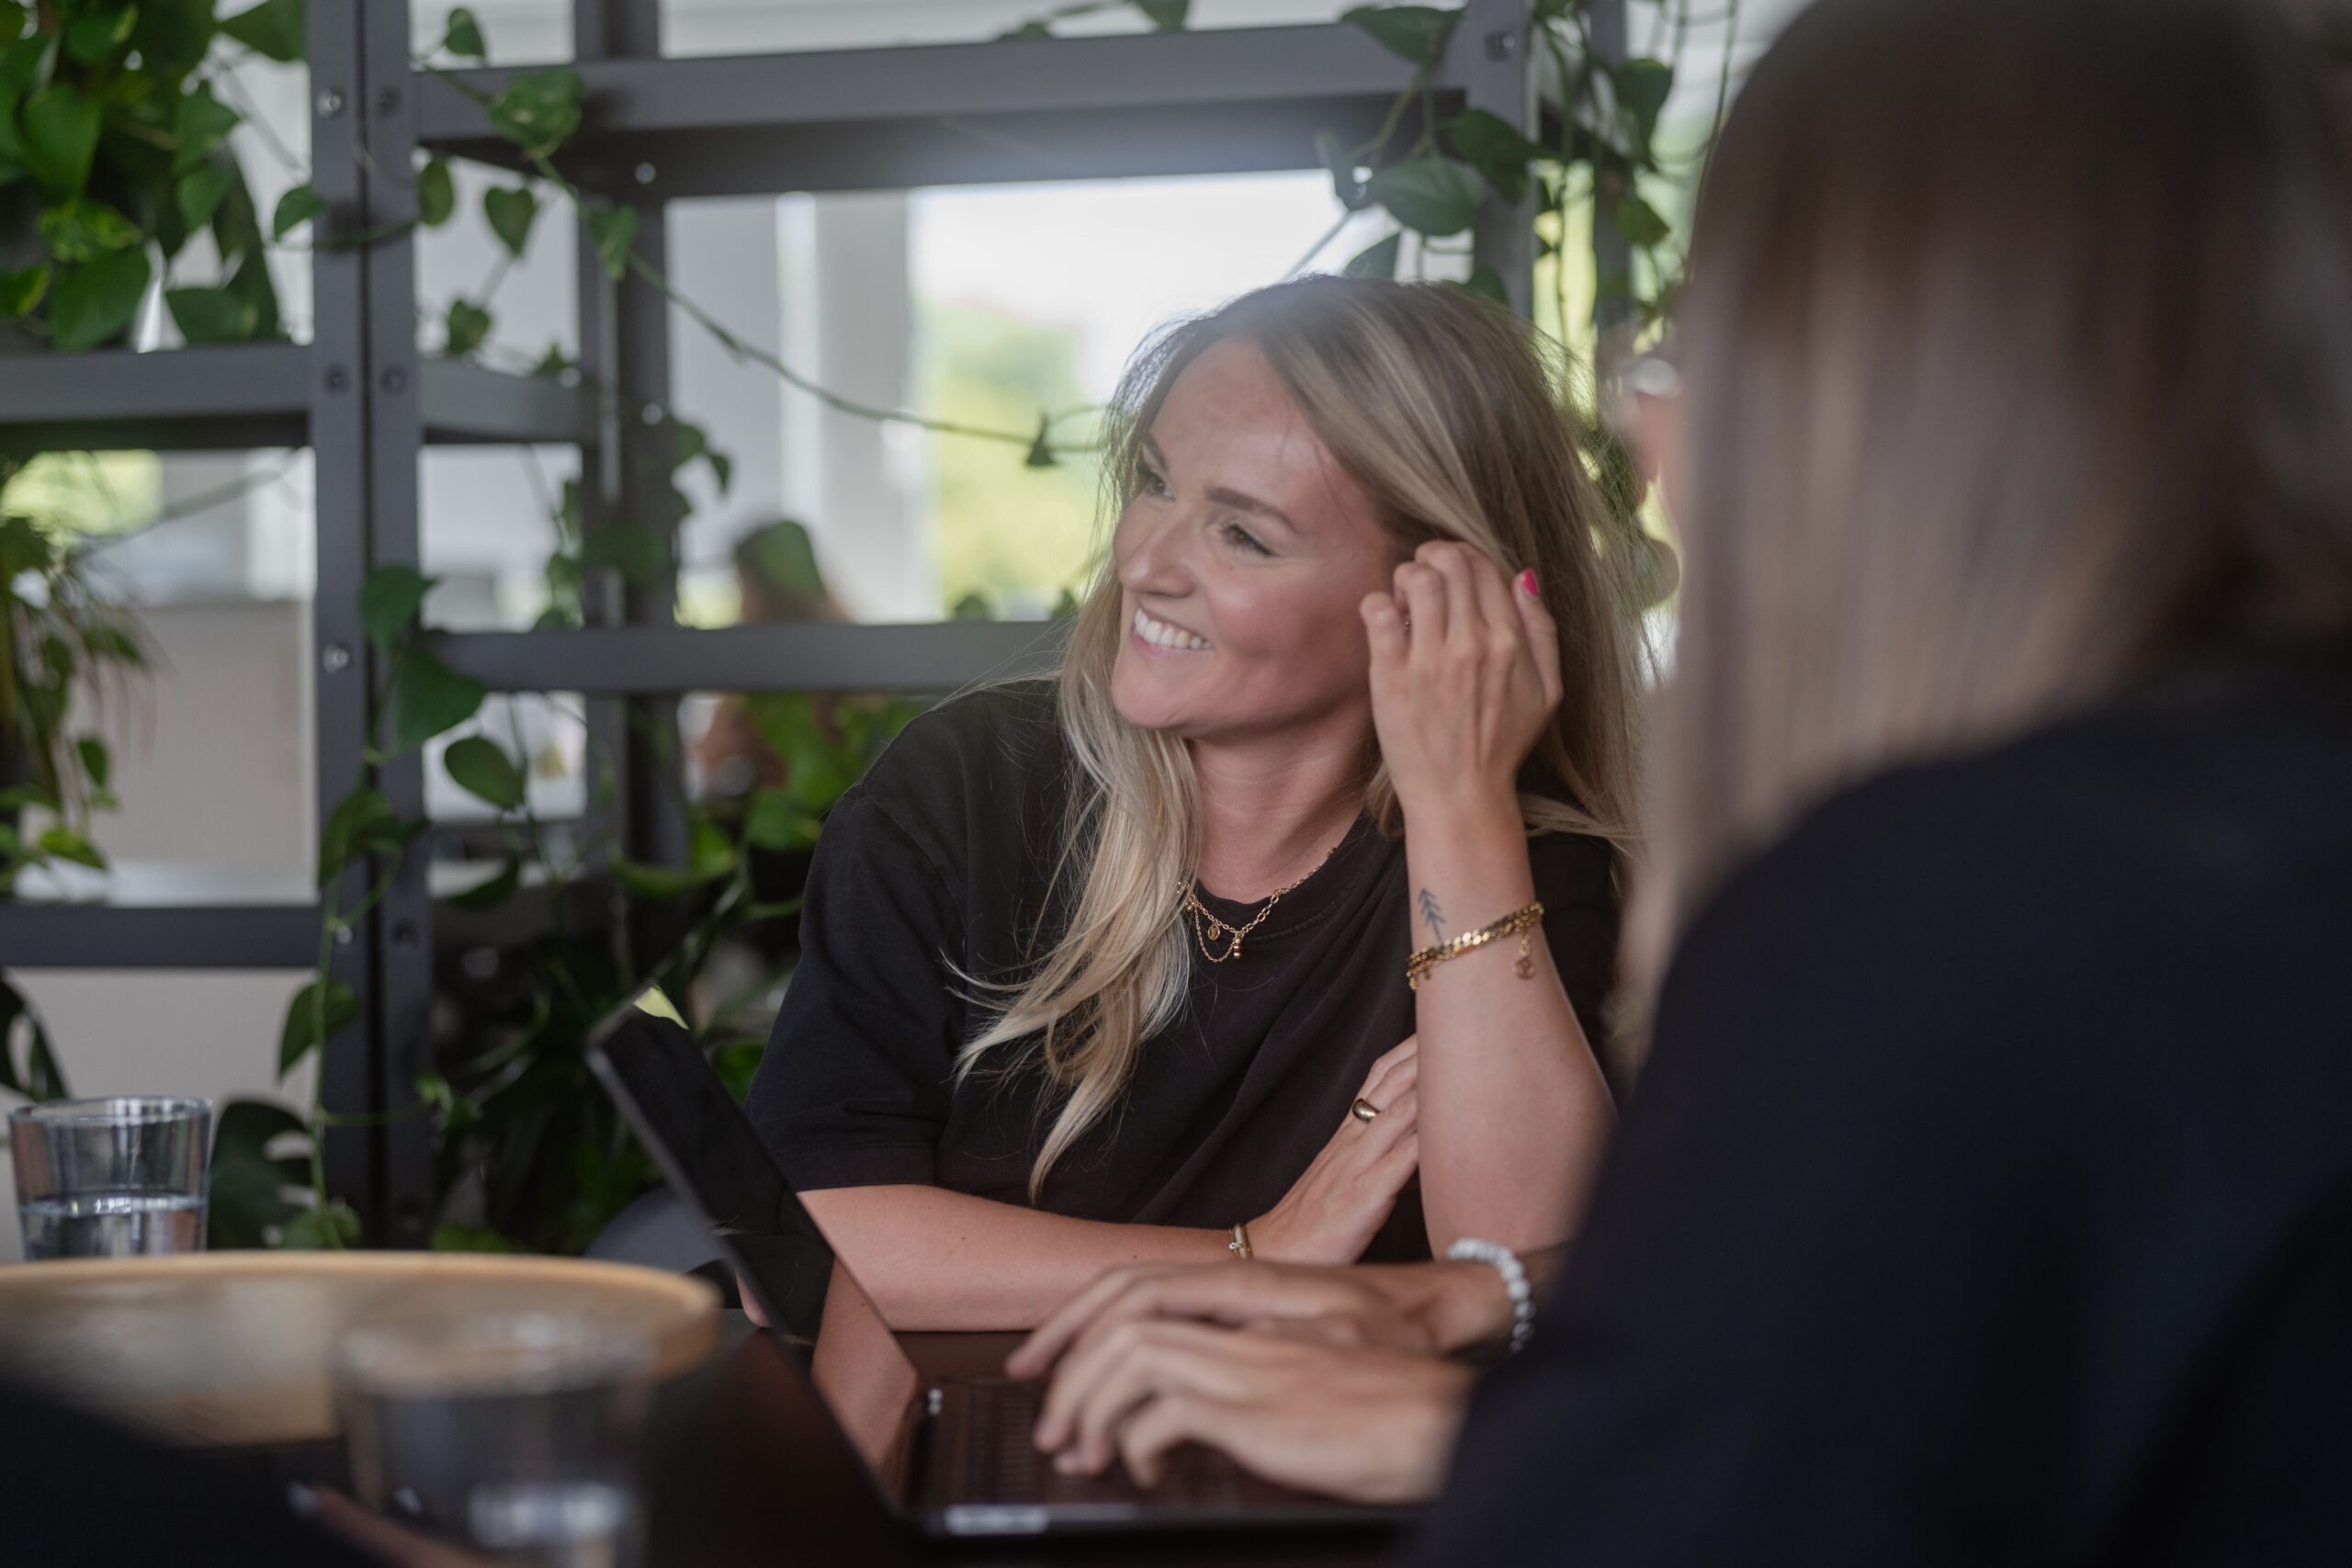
1338	1205
1411	1309
1465	674
1368	1425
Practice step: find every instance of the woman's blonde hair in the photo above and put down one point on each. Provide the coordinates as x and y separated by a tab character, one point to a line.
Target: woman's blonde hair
2019	348
1449	413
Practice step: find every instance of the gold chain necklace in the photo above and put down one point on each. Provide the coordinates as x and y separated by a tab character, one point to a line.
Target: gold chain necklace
1219	930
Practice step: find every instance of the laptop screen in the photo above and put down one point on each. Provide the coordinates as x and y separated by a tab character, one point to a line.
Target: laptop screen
712	1159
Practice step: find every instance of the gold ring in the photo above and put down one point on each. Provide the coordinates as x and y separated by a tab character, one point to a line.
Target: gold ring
1363	1110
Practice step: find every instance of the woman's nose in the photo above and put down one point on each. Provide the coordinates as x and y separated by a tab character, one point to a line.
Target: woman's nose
1150	555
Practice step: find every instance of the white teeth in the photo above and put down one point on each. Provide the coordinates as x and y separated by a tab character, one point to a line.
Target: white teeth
1164	634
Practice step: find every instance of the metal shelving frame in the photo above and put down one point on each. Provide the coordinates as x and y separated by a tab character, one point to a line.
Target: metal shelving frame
654	130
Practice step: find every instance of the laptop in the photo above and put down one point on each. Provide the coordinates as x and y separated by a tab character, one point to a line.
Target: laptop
951	1456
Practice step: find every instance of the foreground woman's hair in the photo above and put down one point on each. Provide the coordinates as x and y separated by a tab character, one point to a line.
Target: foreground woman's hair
2012	377
1447	412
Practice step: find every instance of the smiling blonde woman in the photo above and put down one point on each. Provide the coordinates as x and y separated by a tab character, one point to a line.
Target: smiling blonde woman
1114	969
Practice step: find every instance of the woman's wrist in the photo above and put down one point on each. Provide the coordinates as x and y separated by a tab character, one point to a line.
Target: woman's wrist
1466	1305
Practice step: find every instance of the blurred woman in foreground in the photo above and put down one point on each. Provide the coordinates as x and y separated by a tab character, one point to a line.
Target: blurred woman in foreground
1988	1194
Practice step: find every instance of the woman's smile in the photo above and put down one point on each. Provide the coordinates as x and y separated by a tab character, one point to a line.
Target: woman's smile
1164	637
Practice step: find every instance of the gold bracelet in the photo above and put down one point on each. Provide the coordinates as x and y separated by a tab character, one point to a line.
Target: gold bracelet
1239	1245
1520	923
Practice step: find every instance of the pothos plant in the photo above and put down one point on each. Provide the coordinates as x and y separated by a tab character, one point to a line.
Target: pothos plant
114	156
529	1154
65	649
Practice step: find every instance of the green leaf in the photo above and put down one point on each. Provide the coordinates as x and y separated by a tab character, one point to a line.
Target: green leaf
722	468
41	1077
172	37
1643	87
468	325
1430	195
428	698
77	230
1375	260
1026	31
461	35
451	1238
201	192
332	1228
236	228
1168	16
1339	162
1495	148
26	65
710	850
1416	33
1641	223
322	1001
362	823
390	599
59	133
972	606
774	820
437	193
639	554
21	290
92	35
247	1186
296	207
98	763
539	110
662	881
614	229
202	123
1487	284
94	302
490	894
786	555
477	766
212	315
511	212
1041	449
63	843
273	28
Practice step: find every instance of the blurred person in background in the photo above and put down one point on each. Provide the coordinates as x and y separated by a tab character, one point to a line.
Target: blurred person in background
1111	969
1987	1193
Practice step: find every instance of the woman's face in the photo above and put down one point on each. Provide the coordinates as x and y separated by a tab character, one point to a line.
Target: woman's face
1242	558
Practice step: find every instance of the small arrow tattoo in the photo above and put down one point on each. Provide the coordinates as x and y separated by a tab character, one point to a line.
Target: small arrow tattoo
1433	915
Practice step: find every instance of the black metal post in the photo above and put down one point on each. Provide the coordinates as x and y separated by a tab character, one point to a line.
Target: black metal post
401	925
1488	55
344	664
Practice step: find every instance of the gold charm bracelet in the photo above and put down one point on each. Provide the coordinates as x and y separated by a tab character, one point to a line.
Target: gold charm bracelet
1520	923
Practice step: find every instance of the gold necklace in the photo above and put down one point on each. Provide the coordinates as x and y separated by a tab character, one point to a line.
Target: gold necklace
1219	930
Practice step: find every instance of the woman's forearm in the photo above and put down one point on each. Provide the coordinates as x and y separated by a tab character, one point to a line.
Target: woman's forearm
936	1259
1514	1112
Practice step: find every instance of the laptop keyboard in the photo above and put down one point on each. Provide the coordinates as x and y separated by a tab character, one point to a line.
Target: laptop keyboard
1002	1460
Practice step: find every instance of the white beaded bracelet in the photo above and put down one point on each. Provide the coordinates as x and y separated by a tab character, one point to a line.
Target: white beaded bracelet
1504	1261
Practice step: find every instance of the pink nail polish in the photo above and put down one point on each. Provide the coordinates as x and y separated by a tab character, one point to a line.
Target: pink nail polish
1527	582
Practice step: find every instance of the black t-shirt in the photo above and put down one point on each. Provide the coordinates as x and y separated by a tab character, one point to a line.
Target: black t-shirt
941	856
1988	1196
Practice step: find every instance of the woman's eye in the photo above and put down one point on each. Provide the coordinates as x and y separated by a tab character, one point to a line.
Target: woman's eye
1152	483
1241	538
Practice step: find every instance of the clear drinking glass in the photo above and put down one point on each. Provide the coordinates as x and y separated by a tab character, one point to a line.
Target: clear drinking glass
117	1178
515	1434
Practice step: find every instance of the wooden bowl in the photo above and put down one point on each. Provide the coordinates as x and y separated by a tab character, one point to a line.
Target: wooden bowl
231	1347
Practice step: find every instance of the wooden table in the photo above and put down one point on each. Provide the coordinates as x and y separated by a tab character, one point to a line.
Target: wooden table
738	1477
